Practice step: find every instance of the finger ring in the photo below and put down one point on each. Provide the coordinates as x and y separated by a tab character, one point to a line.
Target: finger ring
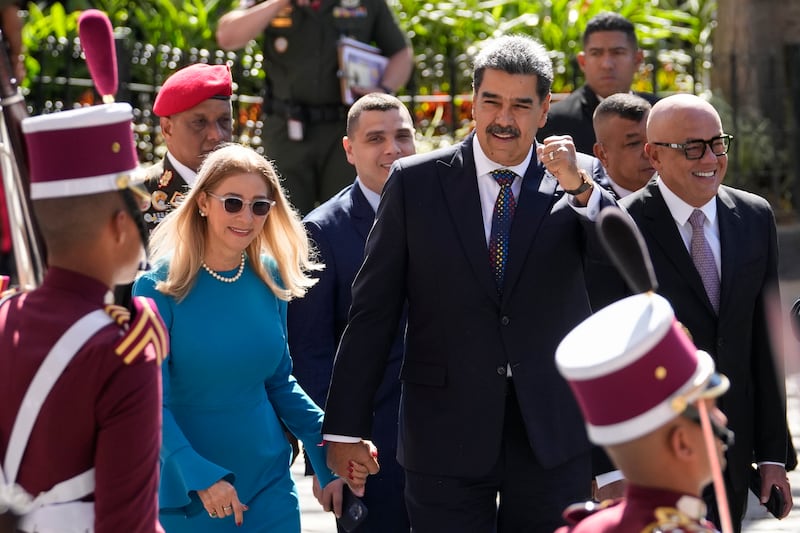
552	156
212	514
226	507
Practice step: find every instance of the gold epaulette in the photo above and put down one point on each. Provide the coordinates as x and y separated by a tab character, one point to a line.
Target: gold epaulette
671	520
145	333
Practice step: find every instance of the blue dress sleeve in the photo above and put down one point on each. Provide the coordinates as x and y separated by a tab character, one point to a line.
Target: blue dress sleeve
297	410
183	470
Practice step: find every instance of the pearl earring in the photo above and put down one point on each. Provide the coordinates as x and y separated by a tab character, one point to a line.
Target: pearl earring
202	213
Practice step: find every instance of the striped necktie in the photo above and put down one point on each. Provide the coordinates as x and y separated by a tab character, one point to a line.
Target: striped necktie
502	217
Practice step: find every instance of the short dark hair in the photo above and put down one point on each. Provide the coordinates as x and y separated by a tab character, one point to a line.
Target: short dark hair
624	105
609	21
370	102
515	54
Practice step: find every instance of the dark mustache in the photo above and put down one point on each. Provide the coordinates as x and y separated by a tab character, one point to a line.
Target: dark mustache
500	130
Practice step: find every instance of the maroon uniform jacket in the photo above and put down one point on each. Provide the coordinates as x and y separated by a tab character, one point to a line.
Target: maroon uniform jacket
104	411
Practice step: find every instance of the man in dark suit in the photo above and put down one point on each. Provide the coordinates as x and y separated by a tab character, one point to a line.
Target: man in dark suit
485	241
194	110
610	58
717	278
379	131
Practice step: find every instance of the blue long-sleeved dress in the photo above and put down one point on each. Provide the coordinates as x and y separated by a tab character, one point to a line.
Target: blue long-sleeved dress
227	385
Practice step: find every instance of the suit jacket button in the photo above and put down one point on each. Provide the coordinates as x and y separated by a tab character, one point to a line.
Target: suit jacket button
505	320
501	370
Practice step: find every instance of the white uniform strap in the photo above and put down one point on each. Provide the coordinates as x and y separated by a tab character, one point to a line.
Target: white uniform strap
53	365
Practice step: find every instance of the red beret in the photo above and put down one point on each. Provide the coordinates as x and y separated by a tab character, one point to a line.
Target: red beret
192	85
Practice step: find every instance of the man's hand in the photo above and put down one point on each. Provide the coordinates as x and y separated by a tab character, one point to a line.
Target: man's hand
557	154
775	475
353	462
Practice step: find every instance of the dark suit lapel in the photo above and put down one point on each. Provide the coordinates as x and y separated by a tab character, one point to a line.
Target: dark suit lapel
361	212
534	203
460	188
589	102
659	223
730	224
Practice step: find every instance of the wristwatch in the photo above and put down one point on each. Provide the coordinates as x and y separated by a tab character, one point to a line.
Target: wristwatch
585	186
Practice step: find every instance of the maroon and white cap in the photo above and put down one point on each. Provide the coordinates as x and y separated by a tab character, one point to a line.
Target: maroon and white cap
81	151
633	368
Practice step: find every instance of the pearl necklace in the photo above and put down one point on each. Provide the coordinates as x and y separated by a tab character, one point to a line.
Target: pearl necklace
217	276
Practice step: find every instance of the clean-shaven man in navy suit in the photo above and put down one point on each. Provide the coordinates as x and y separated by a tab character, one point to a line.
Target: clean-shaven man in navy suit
379	131
724	310
485	242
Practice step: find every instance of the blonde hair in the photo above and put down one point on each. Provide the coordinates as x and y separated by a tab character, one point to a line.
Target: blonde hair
181	236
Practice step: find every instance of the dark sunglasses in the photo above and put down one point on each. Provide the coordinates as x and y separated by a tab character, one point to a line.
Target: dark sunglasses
234	204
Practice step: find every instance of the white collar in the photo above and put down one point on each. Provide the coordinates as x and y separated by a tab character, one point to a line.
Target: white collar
372	197
188	175
484	165
680	210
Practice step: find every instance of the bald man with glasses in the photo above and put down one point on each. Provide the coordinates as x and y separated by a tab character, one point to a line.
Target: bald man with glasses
714	250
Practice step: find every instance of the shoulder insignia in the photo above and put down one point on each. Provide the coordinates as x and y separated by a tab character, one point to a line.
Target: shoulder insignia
671	520
578	511
145	332
120	315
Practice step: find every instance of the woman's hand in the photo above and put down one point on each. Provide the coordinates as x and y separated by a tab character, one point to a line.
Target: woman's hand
330	498
221	501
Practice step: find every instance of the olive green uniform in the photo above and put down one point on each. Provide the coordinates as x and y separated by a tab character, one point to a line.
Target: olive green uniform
300	50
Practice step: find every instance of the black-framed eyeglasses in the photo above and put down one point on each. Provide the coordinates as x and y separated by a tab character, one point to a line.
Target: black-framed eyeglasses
234	204
696	148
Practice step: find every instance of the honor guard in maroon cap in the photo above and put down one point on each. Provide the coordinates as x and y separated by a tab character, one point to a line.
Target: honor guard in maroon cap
80	420
639	381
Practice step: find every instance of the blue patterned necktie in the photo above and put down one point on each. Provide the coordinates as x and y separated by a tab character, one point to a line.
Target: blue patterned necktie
703	258
502	216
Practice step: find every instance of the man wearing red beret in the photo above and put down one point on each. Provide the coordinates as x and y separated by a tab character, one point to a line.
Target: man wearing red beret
194	108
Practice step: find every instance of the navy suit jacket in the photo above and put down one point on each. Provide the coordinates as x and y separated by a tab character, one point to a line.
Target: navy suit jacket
738	338
339	230
573	116
428	248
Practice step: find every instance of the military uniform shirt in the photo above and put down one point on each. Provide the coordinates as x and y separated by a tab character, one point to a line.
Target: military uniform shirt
300	51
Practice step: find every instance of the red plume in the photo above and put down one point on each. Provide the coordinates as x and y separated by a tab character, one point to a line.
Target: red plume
97	40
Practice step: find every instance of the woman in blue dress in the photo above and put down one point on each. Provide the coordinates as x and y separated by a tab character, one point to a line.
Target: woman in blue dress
227	261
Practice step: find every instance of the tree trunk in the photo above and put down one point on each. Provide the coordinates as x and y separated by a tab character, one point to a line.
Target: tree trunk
749	65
